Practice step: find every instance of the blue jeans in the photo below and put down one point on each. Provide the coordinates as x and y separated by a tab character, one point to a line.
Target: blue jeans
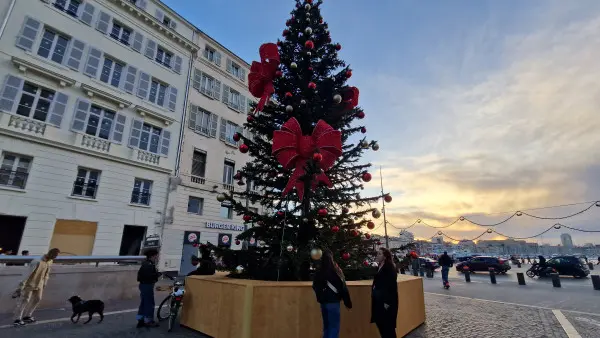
146	310
331	320
445	270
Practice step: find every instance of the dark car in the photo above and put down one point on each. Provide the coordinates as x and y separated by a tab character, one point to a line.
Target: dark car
465	258
569	265
484	263
428	263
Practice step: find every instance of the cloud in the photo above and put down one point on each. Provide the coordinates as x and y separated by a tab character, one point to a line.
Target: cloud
513	137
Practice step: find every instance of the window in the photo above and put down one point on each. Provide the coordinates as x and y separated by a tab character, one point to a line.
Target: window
166	21
163	57
199	163
228	170
68	6
35	102
120	33
141	192
195	205
86	183
210	54
234	99
14	170
100	122
150	138
226	210
203	122
111	72
236	70
53	46
157	93
230	130
207	84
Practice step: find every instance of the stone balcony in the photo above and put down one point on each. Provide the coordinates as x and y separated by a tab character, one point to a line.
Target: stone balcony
93	143
146	157
25	125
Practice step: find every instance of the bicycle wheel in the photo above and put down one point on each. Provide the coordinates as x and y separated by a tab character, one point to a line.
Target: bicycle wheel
164	310
173	314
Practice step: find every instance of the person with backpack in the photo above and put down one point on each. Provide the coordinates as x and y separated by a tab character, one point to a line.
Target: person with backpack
330	288
446	263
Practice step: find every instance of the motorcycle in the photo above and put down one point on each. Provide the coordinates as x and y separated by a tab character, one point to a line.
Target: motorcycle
537	271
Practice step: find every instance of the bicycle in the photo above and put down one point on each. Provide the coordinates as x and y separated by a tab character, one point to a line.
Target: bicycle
174	301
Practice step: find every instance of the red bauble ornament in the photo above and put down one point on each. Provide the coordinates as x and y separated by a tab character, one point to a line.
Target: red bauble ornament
353	233
285	32
279	43
368	236
243	148
261	223
335	228
366	177
387	198
345	256
366	263
360	115
378	242
345	210
288	94
236	137
312	85
288	22
280	213
349	74
320	20
249	118
237	242
309	1
322	212
247	218
371	225
195	245
310	69
338	46
317	157
363	130
279	73
237	176
309	44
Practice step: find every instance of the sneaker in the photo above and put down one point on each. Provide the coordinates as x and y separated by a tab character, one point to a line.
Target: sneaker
29	320
18	323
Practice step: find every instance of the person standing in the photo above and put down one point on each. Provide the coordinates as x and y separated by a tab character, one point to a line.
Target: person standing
147	277
330	288
446	263
384	295
205	265
31	288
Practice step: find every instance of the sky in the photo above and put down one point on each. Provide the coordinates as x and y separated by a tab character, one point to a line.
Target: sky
481	107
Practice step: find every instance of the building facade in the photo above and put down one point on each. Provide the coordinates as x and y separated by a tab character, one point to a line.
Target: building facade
566	240
92	101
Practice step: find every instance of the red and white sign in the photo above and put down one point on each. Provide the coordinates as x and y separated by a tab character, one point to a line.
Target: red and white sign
192	237
225	239
252	241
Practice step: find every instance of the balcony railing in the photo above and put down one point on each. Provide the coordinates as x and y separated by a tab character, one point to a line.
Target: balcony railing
95	143
147	157
141	197
85	189
228	186
14	179
27	125
197	179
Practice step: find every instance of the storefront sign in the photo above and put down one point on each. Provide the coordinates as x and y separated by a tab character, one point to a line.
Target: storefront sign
191	237
252	241
152	241
224	226
225	240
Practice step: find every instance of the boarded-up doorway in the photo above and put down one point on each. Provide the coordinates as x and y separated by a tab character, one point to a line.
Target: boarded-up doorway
74	238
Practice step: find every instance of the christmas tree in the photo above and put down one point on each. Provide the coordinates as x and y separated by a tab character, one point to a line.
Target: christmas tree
305	139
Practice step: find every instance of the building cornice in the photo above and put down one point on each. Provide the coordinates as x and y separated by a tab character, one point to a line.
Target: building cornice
143	111
92	91
25	65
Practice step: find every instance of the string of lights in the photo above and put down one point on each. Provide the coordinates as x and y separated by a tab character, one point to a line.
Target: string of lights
514	213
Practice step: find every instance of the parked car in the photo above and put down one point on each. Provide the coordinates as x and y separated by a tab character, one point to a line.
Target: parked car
464	258
429	263
569	265
484	263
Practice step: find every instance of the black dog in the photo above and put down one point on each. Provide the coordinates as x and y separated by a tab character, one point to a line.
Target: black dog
90	306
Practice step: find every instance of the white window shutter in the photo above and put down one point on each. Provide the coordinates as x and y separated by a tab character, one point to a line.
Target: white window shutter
243	104
129	80
218	58
216	90
93	62
150	48
177	64
223	134
172	24
143	85
28	34
138	41
165	142
197	79
141	4
205	52
193	117
159	15
119	128
10	91
87	14
103	22
172	98
75	54
82	107
226	94
214	120
136	133
242	74
229	66
59	106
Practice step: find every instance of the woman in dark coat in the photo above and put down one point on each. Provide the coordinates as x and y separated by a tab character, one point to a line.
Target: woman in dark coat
384	296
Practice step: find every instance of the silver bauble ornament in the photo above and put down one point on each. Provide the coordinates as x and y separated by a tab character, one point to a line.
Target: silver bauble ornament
305	220
316	254
303	101
239	269
294	65
307	7
337	98
289	109
221	197
262	243
376	213
308	31
290	248
308	53
364	144
375	146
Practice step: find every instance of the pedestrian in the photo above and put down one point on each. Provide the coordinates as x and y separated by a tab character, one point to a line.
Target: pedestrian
528	260
147	277
30	290
384	295
446	263
330	288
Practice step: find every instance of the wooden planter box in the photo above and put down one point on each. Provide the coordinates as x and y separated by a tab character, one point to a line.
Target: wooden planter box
224	307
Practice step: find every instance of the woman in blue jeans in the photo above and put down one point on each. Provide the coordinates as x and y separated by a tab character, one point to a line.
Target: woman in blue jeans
147	277
330	288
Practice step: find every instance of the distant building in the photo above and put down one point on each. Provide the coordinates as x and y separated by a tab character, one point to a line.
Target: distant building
437	240
566	240
406	237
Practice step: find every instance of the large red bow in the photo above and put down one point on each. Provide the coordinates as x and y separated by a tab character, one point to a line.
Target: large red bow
350	96
260	79
293	150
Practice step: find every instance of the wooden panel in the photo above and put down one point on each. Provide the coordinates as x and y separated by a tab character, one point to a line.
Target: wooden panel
74	237
233	308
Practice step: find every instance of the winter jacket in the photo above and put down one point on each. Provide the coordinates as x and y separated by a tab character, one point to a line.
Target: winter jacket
445	261
148	274
205	268
325	294
36	277
385	292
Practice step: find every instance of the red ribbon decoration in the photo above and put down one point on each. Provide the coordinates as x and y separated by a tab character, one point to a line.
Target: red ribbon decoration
260	79
350	96
293	150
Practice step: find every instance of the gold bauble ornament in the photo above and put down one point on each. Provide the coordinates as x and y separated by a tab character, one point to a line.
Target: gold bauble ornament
376	214
221	197
316	254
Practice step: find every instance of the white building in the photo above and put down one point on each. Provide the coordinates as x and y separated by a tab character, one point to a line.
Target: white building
566	240
91	107
406	237
437	240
